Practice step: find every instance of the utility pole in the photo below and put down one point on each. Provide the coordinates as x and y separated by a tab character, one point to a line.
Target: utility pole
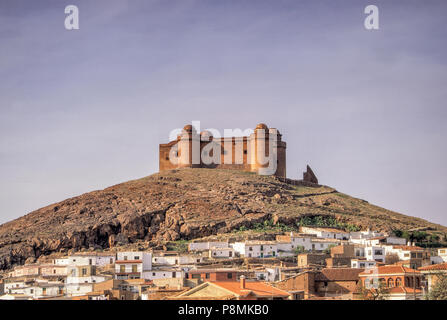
414	284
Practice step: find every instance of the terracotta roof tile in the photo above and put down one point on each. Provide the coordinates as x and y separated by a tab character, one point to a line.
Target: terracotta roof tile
254	287
434	267
389	269
338	274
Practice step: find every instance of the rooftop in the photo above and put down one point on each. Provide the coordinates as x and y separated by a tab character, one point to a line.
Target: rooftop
338	274
409	248
390	269
435	267
257	288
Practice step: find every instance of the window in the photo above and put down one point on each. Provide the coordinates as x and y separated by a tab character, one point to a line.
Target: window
31	291
245	151
90	261
125	257
325	283
134	268
207	275
44	291
390	283
111	261
250	248
186	276
137	258
174	274
229	275
84	271
262	247
153	274
122	268
378	252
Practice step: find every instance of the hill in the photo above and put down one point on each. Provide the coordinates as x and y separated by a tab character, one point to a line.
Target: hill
186	204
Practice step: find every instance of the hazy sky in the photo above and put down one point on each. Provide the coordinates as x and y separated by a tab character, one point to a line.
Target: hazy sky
83	110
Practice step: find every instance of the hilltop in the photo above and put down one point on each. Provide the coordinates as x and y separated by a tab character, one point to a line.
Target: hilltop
185	204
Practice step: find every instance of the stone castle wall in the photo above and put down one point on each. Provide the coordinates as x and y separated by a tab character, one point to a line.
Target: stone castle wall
242	150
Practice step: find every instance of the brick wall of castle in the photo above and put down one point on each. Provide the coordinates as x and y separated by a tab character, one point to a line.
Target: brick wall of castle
182	148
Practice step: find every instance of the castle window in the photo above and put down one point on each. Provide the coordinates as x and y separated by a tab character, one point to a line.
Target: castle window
245	151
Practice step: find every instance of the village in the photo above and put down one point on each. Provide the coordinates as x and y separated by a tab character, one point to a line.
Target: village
316	263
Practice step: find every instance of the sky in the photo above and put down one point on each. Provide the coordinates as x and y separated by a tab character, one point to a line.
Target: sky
85	109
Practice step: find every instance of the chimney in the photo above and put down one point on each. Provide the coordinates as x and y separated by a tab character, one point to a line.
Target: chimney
242	281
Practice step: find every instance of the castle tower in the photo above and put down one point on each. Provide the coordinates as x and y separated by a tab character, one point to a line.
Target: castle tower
260	150
188	148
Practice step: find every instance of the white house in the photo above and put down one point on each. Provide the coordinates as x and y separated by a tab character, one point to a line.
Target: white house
368	234
442	253
327	233
170	259
41	289
132	264
202	246
357	263
80	279
221	252
12	296
163	273
407	252
256	249
323	244
296	240
98	259
375	253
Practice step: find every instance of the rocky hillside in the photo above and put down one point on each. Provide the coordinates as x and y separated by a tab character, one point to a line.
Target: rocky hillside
182	204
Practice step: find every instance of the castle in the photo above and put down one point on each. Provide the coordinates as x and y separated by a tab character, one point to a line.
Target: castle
245	153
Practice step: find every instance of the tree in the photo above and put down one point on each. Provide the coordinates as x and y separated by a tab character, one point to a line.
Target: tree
379	293
391	258
439	290
299	249
397	233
